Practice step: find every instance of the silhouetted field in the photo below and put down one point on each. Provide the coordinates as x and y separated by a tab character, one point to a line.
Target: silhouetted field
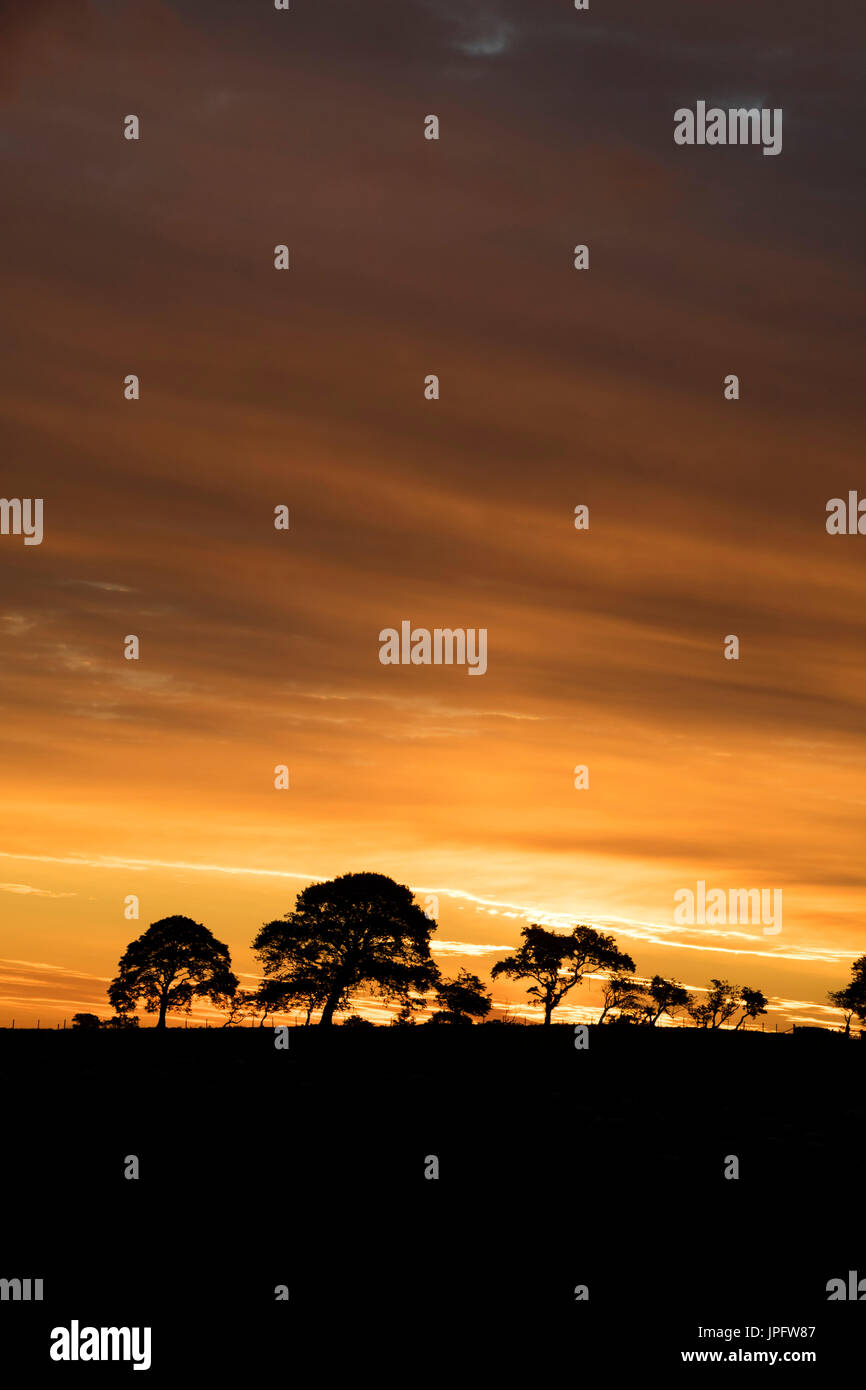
558	1167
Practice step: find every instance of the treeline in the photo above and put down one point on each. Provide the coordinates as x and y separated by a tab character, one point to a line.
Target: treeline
364	932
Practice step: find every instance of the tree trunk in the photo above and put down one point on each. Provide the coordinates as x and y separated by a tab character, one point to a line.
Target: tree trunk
163	1010
548	1010
330	1008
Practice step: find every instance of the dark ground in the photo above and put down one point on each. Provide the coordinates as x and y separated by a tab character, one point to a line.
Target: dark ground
558	1167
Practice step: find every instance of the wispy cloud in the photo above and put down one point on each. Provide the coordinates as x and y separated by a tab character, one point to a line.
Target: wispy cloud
36	893
468	948
102	584
26	888
659	934
490	43
16	624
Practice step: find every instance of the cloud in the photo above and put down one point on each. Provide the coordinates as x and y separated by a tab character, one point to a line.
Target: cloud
605	646
16	624
103	585
494	41
467	948
711	940
25	888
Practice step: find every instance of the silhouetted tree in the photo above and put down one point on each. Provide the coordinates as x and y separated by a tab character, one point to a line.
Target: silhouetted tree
241	1005
753	1002
723	1000
852	999
557	962
699	1010
279	995
462	999
353	931
840	1000
121	1021
666	996
86	1021
620	992
173	962
403	1019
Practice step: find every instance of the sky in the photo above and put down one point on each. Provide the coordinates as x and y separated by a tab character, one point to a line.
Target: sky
305	388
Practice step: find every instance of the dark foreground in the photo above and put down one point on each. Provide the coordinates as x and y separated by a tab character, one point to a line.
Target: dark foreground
558	1168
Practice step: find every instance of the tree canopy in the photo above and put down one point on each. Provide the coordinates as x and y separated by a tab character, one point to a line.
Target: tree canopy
175	961
666	997
621	995
462	999
721	1003
356	931
556	961
753	1002
852	999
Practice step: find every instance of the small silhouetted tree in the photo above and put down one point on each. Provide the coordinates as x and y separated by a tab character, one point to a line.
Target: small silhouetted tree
667	996
840	1000
462	999
86	1021
699	1010
403	1018
557	962
239	1006
620	992
279	996
175	961
723	1000
358	930
121	1021
753	1003
852	999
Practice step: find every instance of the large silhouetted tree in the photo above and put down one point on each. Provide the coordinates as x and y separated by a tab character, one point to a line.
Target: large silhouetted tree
852	999
556	962
358	930
175	961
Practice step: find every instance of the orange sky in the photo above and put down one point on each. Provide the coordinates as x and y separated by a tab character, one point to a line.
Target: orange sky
306	388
